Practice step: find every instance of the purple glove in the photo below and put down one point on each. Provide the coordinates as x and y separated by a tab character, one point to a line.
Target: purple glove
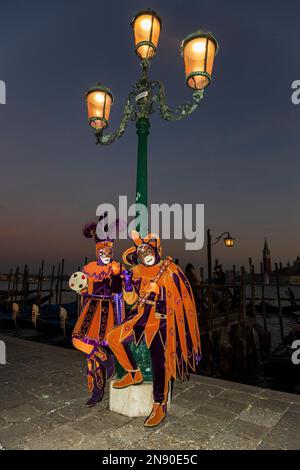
127	275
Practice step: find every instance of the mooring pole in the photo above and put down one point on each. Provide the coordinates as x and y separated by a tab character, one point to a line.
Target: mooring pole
263	303
279	302
209	273
61	280
8	287
15	284
252	281
51	284
243	306
23	292
57	284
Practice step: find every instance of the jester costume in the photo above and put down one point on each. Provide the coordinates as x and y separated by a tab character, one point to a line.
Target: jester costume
163	313
101	310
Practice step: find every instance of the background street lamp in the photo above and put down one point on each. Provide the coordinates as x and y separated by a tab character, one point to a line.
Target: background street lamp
99	100
146	29
228	242
198	51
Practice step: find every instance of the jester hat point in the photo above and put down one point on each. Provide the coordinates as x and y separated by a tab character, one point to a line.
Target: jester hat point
89	231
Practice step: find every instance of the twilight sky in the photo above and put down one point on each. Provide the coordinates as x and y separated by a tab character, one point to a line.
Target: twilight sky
238	154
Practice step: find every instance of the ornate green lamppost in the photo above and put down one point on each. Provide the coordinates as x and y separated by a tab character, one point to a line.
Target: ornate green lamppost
198	51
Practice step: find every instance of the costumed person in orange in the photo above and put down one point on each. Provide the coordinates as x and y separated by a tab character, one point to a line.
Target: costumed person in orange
164	314
100	286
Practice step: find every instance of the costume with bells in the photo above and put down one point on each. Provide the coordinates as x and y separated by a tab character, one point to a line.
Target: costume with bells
101	309
164	314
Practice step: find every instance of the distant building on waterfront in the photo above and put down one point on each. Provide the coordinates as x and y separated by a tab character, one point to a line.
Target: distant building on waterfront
267	259
289	274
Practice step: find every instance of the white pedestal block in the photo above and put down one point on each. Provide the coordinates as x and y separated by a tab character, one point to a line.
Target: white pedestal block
132	401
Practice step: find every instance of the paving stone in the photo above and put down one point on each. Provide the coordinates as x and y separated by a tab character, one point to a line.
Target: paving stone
206	425
260	416
61	438
177	393
75	412
9	398
215	412
270	404
231	441
140	446
3	423
43	405
47	422
99	423
252	389
229	405
54	394
194	397
15	435
102	442
206	389
286	434
265	446
294	408
177	410
276	395
239	396
179	430
164	441
225	384
187	403
247	429
133	432
19	413
182	385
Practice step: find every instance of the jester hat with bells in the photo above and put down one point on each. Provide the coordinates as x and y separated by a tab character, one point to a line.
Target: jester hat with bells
109	232
130	256
96	269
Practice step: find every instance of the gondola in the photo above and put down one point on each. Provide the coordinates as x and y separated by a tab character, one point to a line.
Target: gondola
52	320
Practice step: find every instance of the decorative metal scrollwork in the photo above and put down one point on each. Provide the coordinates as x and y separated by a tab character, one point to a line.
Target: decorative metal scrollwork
128	114
182	110
143	101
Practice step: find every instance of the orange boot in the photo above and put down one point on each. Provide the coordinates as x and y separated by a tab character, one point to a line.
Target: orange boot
157	415
131	378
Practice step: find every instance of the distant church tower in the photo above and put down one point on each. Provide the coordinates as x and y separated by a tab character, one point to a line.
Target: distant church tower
267	259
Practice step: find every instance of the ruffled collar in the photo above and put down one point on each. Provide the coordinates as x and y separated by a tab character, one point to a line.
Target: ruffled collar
96	272
146	271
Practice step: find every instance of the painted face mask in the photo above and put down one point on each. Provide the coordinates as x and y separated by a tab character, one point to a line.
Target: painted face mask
146	254
105	255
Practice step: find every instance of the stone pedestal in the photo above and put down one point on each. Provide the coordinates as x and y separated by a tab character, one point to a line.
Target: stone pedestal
132	401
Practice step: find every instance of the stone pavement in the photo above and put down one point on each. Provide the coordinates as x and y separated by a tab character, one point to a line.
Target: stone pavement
43	390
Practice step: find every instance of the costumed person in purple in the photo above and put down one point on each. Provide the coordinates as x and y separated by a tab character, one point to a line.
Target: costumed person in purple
100	286
163	313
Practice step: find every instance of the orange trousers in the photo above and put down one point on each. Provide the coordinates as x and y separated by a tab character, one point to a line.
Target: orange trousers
120	347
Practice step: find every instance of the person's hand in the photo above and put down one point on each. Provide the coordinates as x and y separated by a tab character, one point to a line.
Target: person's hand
126	276
115	268
153	287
